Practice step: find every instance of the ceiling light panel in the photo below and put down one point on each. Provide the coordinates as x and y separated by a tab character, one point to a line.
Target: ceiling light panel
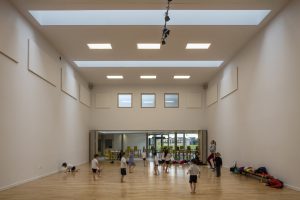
148	46
114	77
162	63
197	45
100	46
148	77
149	17
181	76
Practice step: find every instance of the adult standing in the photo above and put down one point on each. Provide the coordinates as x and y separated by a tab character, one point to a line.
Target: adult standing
212	149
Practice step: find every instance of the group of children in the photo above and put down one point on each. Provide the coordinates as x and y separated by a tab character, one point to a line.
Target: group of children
193	170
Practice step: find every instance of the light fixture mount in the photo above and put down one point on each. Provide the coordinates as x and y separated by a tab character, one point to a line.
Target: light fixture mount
166	31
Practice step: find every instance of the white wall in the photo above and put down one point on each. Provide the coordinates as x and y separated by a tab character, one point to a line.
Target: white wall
258	124
136	118
40	126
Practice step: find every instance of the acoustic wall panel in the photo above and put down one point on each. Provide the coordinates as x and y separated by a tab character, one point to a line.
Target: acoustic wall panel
84	96
229	82
103	100
69	83
212	94
10	35
42	64
194	100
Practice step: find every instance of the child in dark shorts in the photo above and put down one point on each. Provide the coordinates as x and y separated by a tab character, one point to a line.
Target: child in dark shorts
194	171
123	167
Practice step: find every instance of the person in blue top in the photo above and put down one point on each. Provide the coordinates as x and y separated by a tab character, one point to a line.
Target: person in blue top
131	163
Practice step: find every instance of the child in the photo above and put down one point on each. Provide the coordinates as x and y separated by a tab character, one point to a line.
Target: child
131	162
69	168
95	166
123	167
163	160
193	170
156	172
218	164
168	160
144	157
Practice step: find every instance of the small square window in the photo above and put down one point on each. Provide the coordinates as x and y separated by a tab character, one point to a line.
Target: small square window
171	100
124	100
148	100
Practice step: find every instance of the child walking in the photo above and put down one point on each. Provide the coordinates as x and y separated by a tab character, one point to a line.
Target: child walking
194	171
218	164
123	167
95	166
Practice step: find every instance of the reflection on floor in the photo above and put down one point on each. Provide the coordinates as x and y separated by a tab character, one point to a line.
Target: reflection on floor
142	184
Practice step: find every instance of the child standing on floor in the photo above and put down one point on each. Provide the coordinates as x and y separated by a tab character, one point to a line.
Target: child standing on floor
95	166
131	162
168	160
123	167
218	164
194	171
156	172
144	155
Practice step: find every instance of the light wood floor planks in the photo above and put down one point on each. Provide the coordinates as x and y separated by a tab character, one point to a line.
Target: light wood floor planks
142	185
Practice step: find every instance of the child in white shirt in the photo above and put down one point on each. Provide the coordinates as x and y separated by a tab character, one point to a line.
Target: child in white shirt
123	167
144	157
95	166
193	170
69	168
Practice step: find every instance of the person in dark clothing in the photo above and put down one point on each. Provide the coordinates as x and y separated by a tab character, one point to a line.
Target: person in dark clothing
218	164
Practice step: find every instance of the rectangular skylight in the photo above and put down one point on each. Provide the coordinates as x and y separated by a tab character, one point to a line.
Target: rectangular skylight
148	46
114	77
149	17
148	77
161	63
197	45
100	46
181	76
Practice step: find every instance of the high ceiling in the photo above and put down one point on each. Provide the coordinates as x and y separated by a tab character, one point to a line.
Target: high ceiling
71	41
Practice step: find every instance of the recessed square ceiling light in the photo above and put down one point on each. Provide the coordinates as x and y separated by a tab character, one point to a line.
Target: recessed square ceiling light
100	46
181	76
148	45
149	63
148	77
148	17
197	45
114	77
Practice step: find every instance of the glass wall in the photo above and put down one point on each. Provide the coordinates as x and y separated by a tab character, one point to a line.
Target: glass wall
184	141
191	140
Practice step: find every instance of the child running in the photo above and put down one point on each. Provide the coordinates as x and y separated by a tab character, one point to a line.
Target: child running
193	170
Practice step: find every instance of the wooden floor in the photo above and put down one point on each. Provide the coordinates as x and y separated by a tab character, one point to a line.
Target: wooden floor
142	184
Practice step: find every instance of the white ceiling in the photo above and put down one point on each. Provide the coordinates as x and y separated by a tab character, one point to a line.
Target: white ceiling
71	40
